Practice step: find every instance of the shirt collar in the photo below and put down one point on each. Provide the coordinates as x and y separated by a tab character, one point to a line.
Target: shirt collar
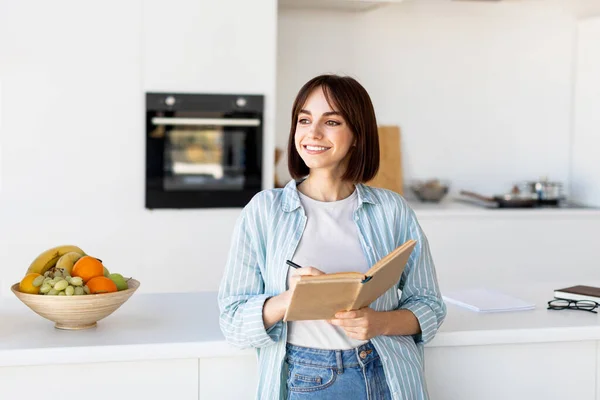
291	199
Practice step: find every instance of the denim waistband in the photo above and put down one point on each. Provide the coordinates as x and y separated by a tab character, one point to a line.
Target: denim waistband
340	359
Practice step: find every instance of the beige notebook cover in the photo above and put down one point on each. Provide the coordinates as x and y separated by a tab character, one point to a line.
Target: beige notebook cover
321	296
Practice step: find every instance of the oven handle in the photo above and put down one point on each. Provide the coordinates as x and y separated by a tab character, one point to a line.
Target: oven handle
206	121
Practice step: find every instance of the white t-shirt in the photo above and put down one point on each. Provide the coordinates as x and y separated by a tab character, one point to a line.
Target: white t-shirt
330	242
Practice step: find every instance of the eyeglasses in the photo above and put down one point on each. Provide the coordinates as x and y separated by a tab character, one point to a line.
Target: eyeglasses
583	305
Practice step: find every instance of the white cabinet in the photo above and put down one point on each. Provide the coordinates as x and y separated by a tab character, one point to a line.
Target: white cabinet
518	372
597	372
228	378
549	371
585	164
166	379
209	46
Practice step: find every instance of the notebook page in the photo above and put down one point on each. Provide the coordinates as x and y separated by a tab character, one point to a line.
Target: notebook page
487	300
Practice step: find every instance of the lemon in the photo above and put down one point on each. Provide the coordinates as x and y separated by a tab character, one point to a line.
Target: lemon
26	284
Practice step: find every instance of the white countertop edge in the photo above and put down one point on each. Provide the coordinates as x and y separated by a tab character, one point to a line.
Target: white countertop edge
121	353
515	336
509	213
218	349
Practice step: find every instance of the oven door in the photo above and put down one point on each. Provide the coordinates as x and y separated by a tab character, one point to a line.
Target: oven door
197	160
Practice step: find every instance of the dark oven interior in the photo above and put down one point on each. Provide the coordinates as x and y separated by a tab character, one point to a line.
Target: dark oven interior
203	150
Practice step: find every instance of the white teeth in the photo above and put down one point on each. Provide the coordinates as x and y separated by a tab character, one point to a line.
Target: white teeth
316	148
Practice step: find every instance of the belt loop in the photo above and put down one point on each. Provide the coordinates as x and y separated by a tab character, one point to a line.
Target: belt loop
339	361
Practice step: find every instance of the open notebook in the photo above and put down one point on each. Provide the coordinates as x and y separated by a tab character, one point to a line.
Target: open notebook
321	296
487	300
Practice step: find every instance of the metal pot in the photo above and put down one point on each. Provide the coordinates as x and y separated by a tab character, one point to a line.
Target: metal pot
545	191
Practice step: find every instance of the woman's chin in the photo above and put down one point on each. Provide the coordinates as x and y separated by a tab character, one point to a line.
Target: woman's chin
322	167
312	164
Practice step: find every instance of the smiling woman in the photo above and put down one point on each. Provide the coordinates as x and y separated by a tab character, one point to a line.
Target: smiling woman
334	117
328	220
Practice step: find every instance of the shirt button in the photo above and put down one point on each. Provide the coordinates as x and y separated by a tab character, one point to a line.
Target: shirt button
363	354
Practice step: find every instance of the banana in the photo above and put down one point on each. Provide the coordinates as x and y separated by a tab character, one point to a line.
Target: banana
50	257
66	262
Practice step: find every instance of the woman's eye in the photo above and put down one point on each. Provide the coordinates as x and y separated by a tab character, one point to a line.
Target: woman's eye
303	121
332	123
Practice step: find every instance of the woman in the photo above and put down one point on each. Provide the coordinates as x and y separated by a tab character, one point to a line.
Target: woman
327	220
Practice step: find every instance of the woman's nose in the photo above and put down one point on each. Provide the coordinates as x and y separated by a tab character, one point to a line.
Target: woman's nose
314	132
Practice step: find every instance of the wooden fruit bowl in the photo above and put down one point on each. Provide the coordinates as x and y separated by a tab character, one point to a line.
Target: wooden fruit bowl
76	312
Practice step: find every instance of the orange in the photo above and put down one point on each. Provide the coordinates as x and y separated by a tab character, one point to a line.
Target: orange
26	285
101	284
87	268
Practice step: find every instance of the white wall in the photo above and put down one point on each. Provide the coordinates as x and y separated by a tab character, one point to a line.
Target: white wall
482	91
72	149
305	50
586	132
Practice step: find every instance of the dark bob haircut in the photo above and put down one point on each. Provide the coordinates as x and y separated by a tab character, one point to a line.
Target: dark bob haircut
346	96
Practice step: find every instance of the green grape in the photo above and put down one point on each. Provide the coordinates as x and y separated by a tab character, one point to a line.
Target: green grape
61	285
62	293
86	289
79	291
70	290
46	280
57	274
47	274
76	281
45	288
37	282
53	292
67	277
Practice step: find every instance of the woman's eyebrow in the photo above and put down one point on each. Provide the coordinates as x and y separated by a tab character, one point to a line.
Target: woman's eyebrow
325	114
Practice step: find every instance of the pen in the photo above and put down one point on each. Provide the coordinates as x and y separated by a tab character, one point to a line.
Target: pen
292	264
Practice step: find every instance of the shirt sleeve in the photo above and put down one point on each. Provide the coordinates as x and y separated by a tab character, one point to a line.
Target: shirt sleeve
419	285
242	291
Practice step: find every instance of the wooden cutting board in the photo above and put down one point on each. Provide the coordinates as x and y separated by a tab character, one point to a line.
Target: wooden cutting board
389	175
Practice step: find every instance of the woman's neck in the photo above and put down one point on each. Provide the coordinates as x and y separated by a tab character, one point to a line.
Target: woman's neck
325	188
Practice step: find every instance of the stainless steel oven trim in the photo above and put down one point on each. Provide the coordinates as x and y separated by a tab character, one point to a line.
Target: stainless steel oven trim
206	121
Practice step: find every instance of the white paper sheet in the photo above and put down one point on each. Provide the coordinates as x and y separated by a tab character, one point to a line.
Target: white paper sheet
487	300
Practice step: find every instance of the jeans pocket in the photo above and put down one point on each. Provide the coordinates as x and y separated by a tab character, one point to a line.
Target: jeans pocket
308	378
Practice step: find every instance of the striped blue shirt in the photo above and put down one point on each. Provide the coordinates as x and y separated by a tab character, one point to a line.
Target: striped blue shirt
267	233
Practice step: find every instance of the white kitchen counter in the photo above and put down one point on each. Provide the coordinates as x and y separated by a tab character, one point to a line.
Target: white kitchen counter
455	206
177	326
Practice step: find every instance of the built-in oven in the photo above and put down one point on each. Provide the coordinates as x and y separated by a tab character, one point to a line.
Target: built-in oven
203	150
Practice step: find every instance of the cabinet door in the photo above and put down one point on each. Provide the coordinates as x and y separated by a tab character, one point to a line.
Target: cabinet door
585	139
228	378
518	372
161	379
209	46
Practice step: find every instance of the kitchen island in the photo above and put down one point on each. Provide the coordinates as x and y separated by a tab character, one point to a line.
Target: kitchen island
159	346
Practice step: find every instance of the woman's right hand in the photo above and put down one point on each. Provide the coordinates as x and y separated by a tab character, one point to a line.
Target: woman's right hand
275	307
297	273
286	296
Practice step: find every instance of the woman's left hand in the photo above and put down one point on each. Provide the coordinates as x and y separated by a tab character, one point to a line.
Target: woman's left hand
362	324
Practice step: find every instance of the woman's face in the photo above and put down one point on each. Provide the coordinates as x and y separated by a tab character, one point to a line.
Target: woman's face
322	137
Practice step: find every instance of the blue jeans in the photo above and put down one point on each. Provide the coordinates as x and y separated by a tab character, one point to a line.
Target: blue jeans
335	374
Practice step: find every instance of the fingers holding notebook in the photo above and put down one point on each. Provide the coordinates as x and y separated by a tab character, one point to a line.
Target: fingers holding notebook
295	275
